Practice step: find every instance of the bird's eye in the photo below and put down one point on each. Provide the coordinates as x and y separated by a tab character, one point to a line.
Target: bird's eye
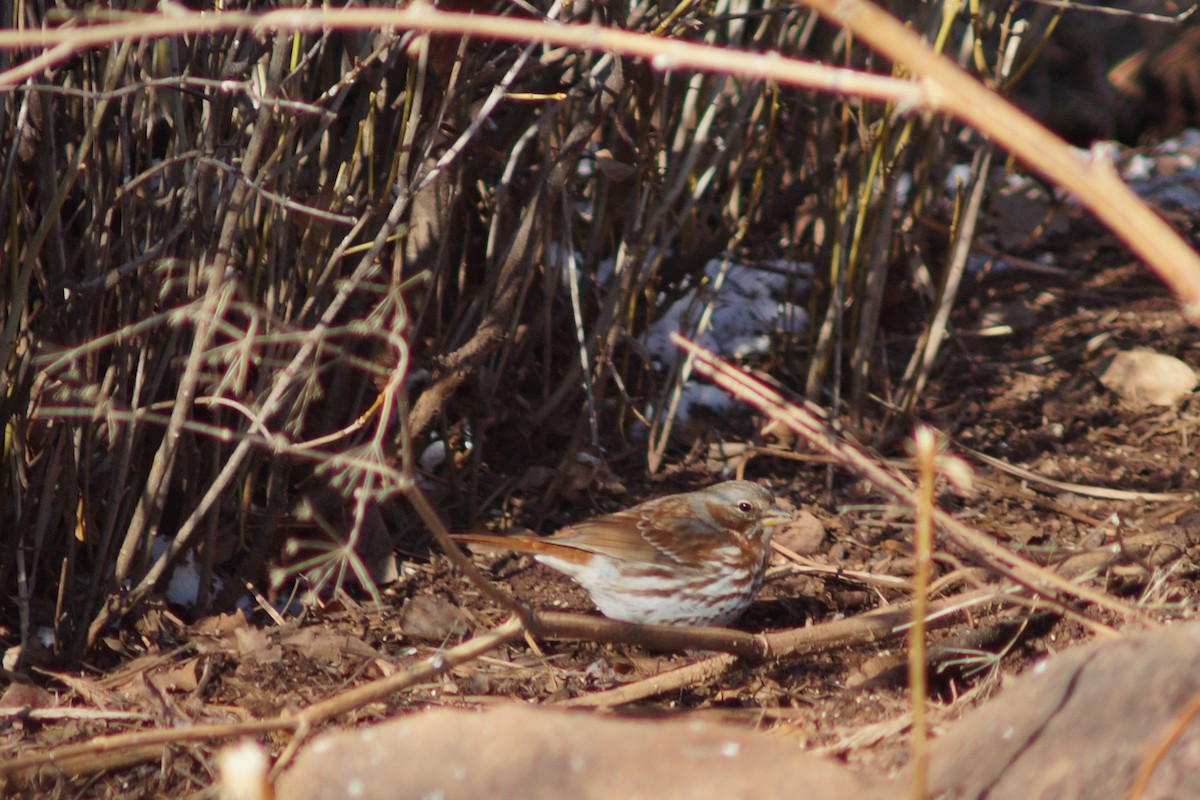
745	507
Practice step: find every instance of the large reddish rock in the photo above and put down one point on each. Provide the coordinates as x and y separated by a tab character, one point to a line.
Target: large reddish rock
535	753
1079	726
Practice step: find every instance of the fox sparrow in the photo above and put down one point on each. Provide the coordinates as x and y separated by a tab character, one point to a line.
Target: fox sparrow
685	559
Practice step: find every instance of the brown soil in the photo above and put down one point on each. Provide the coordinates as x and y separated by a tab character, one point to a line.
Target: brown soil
1028	398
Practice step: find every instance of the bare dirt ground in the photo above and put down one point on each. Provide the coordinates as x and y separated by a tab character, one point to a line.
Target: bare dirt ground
1028	398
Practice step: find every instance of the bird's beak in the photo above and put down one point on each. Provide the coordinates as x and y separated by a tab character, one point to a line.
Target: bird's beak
775	517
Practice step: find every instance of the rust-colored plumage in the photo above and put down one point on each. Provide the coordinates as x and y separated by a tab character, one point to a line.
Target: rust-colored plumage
685	559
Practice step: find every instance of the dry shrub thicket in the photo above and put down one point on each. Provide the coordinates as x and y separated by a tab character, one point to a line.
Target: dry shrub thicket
222	251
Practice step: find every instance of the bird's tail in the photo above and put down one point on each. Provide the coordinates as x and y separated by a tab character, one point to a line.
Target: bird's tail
521	544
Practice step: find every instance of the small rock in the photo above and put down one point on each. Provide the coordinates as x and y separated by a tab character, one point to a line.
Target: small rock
428	617
1145	377
803	535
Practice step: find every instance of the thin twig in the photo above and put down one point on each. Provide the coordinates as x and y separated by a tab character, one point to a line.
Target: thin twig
460	559
105	752
876	626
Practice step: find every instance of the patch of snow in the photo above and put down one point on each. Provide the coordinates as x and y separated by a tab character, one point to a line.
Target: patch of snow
183	588
1167	173
958	176
744	307
1140	167
739	307
45	636
433	456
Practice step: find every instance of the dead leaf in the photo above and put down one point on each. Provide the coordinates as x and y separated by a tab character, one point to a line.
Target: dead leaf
19	694
91	692
254	646
177	678
431	618
326	646
221	624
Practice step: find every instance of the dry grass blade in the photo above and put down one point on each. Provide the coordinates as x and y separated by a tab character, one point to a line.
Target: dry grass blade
329	165
954	91
296	290
1093	181
923	554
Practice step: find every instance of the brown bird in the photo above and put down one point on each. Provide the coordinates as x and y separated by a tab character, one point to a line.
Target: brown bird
696	558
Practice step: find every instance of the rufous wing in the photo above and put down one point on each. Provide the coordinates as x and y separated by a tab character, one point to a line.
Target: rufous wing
620	535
